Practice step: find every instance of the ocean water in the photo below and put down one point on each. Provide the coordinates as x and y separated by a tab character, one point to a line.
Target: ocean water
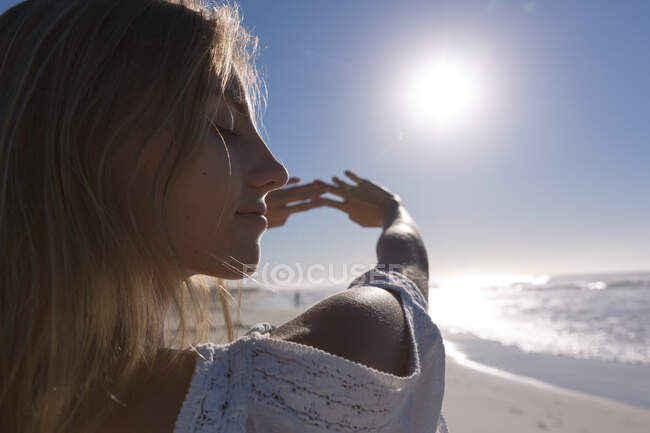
589	333
597	317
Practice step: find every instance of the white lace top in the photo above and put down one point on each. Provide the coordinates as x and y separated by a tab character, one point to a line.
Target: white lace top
257	384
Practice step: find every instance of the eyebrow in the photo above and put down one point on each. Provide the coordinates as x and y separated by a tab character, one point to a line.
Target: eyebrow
237	93
240	104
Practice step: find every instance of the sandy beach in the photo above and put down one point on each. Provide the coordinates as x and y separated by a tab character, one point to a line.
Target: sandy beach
480	401
489	401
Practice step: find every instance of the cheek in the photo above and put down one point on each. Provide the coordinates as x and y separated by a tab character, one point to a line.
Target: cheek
202	201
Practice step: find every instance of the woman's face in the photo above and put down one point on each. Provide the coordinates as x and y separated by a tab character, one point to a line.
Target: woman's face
208	201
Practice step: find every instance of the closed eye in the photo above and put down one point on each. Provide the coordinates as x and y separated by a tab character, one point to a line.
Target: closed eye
223	131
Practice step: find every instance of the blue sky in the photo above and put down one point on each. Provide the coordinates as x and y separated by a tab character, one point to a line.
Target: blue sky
551	177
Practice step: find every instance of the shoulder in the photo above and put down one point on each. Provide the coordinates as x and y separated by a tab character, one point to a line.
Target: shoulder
365	324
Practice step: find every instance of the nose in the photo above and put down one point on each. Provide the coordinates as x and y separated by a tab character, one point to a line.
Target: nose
268	173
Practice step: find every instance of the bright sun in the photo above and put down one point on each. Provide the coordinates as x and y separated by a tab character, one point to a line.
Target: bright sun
443	92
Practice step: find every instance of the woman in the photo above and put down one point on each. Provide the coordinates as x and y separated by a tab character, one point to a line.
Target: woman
131	161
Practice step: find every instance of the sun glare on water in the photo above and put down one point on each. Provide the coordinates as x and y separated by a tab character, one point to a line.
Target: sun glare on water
443	93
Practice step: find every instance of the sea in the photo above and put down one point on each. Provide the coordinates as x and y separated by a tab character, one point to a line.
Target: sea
589	333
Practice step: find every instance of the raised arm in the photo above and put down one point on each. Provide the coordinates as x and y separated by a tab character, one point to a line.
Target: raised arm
400	246
366	324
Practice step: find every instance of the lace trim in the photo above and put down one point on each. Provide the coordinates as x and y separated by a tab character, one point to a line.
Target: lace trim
217	397
261	328
331	391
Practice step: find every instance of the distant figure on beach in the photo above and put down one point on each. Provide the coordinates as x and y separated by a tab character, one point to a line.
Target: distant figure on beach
296	299
131	163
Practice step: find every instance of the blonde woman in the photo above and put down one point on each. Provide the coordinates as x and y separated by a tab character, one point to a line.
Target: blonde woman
130	161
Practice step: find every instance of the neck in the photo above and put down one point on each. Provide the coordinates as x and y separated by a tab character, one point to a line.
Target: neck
151	398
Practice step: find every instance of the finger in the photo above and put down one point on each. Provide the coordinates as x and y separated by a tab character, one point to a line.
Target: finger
337	191
341	183
312	186
331	188
354	177
304	206
303	195
293	180
323	183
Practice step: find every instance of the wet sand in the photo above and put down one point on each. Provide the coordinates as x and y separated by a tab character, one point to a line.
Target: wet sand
481	401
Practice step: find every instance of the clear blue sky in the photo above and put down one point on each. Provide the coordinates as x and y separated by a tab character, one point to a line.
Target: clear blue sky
553	177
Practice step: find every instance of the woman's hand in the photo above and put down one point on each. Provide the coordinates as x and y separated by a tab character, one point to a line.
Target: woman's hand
366	203
277	200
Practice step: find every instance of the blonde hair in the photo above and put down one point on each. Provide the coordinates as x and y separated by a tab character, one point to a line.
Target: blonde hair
84	293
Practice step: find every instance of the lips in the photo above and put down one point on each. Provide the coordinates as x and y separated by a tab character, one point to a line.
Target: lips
255	218
259	209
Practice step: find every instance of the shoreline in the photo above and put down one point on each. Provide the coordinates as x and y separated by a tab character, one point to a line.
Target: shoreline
609	380
480	399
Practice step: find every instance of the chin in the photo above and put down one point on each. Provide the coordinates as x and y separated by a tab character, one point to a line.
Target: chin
244	264
238	273
241	265
241	272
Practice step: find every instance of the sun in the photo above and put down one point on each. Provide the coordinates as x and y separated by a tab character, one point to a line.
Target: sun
443	92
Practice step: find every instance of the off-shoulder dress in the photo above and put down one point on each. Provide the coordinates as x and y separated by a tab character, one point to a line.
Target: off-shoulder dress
257	384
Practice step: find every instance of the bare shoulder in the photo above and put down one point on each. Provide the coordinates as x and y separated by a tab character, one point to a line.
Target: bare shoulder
365	324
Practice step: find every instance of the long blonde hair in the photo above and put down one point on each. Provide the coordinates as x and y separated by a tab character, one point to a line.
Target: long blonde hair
84	294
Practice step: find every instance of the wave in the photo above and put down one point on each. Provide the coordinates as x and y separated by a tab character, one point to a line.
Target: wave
594	282
603	317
